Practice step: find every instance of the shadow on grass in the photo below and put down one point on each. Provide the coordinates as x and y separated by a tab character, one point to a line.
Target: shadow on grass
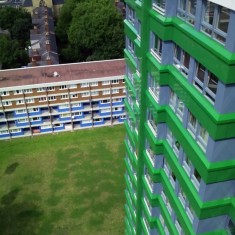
19	218
11	168
10	197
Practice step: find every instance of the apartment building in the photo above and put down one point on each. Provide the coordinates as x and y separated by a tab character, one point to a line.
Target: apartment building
180	80
49	99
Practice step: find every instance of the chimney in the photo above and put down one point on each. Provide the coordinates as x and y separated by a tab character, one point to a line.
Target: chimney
35	29
46	26
48	46
48	60
36	14
34	62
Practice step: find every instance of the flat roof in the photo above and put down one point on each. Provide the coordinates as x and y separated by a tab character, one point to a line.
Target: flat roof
64	72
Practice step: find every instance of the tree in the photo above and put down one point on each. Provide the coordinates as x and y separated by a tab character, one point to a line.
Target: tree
12	49
96	31
17	21
65	20
10	55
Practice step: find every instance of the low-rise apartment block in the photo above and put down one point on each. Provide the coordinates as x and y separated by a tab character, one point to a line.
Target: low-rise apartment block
55	98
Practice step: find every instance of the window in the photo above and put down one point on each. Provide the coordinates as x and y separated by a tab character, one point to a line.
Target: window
86	121
76	105
169	174
117	109
206	82
173	142
149	180
6	103
33	110
15	130
85	94
85	84
19	111
153	87
150	153
105	110
58	125
198	132
146	225
115	81
167	202
124	90
50	88
187	10
27	91
130	46
50	98
72	86
159	5
29	101
138	28
115	91
42	99
163	225
105	83
94	83
94	93
4	93
189	210
106	92
4	132
18	102
46	127
156	47
179	227
34	119
130	75
215	21
41	89
65	115
104	101
181	60
191	172
72	96
22	120
64	97
18	92
64	106
76	114
177	105
117	100
63	87
130	15
152	122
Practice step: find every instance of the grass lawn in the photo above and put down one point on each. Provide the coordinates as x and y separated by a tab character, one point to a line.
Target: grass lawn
71	183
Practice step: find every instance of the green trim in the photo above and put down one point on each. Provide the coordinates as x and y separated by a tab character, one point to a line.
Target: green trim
220	126
196	44
210	172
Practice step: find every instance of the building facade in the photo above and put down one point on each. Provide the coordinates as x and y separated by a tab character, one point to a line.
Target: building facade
180	79
49	99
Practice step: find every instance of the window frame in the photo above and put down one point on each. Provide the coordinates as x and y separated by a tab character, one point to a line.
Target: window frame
156	45
180	60
184	11
159	6
211	28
